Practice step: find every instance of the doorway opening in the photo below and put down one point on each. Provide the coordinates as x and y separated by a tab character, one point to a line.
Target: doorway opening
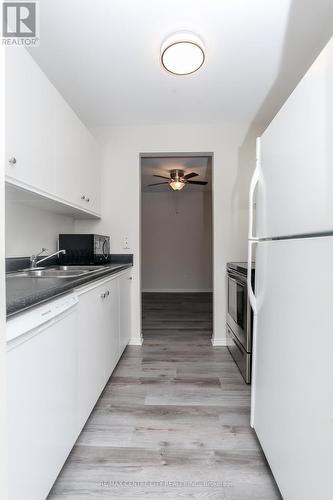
177	244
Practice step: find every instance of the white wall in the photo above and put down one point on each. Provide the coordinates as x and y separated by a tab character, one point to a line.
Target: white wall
234	158
176	241
28	229
3	415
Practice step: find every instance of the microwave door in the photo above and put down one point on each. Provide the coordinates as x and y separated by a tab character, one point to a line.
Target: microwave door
105	249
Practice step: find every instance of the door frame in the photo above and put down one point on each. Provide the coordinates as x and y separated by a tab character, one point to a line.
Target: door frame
175	154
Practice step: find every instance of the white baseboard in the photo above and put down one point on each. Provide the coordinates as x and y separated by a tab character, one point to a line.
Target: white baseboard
219	342
136	341
177	290
215	342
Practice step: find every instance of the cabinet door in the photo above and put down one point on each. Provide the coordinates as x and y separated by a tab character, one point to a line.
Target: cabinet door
42	406
68	156
30	110
77	160
91	349
125	310
91	172
111	352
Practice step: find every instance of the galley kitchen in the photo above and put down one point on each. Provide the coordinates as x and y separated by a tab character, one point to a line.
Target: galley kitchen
166	240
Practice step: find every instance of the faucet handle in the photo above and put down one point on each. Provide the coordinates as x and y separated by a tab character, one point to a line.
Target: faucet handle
39	253
33	258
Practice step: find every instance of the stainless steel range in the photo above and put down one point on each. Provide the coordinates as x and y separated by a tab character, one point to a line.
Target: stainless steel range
239	318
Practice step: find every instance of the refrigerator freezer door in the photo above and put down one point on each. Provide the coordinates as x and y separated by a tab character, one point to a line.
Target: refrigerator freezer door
292	401
295	188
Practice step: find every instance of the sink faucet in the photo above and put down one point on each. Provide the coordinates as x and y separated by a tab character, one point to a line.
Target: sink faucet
34	262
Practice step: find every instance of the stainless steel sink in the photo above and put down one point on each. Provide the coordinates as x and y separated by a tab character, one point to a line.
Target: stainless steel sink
47	273
56	272
78	268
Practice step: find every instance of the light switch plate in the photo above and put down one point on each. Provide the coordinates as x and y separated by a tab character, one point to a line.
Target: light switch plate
125	242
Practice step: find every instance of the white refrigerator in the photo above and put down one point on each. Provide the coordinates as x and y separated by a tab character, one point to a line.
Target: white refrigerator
292	242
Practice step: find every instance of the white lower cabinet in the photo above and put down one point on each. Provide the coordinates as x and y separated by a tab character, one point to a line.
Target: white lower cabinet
124	310
111	332
92	325
55	377
99	348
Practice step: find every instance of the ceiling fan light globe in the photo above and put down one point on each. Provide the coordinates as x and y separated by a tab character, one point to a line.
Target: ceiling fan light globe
177	185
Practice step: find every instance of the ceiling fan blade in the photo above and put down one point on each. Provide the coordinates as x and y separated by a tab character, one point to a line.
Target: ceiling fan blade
162	176
200	183
157	184
192	174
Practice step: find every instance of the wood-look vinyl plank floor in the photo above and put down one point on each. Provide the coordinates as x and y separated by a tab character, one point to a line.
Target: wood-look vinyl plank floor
173	420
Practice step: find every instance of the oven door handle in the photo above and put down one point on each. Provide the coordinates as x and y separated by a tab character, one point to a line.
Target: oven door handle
237	279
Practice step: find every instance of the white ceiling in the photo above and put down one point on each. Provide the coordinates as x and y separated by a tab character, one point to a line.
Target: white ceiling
103	56
162	166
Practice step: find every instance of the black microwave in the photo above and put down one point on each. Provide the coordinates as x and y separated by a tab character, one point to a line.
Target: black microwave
84	249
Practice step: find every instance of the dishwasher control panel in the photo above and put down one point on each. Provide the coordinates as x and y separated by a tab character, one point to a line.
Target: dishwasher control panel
36	316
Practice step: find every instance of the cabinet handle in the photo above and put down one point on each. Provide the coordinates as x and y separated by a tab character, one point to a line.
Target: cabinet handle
107	293
87	200
83	197
12	160
130	278
103	295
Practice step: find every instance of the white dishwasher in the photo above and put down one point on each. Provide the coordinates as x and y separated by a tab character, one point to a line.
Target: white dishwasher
42	395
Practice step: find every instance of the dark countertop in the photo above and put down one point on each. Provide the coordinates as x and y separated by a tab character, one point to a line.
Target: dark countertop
23	293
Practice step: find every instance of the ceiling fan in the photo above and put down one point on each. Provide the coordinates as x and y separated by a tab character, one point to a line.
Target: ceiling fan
177	179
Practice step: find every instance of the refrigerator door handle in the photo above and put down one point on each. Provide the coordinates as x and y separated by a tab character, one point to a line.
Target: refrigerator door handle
250	291
252	238
253	185
253	302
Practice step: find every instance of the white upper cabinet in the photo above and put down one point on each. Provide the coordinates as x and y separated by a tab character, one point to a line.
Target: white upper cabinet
48	149
77	159
30	122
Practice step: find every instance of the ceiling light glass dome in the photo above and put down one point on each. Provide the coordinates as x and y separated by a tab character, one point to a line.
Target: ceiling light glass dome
182	53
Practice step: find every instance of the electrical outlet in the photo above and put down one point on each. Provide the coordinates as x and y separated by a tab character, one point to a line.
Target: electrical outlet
125	242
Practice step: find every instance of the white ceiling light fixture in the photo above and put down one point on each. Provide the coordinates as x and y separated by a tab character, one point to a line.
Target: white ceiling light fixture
182	53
